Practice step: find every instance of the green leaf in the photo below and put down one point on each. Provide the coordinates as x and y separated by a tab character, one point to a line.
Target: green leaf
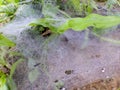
14	67
93	4
33	75
12	1
78	24
95	20
107	39
1	2
2	78
9	9
11	84
4	87
76	6
5	41
111	3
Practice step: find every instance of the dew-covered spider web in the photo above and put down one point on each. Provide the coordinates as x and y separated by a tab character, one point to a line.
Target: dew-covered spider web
59	62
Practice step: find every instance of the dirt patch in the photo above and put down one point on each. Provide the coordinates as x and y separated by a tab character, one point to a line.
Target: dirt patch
103	84
77	68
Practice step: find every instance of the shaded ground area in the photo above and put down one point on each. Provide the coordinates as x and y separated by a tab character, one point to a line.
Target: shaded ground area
108	84
74	63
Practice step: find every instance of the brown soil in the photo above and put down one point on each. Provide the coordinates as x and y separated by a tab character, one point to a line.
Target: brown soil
108	84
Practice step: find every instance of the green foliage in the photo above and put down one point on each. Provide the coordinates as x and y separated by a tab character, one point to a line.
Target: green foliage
58	22
107	39
7	9
63	22
6	81
110	3
4	87
5	41
33	75
2	78
75	4
13	67
95	20
10	84
77	7
7	12
8	1
78	24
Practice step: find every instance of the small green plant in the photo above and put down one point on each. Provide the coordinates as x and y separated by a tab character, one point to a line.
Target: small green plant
78	24
77	7
110	3
7	68
7	12
60	24
7	9
5	41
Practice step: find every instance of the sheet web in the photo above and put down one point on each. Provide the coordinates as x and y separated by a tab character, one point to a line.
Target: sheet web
58	62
